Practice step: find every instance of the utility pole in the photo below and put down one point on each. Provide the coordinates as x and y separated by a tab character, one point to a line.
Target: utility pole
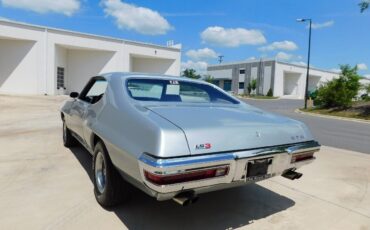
220	59
308	59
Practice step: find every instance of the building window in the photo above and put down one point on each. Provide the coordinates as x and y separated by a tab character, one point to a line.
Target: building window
60	78
227	85
241	85
242	71
216	82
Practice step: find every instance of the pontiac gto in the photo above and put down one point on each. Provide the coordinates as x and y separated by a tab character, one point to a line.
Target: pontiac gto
175	138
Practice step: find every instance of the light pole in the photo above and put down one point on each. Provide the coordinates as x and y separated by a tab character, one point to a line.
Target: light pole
308	58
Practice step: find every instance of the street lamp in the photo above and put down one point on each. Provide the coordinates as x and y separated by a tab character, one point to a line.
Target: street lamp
308	58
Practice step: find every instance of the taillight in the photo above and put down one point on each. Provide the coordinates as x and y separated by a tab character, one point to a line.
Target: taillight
301	156
186	176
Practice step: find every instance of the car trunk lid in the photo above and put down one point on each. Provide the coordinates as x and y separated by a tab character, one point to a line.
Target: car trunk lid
225	128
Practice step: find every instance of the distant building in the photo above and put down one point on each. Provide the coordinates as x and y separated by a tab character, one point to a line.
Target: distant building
285	79
41	60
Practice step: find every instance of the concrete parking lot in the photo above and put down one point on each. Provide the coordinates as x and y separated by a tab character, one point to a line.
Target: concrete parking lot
46	186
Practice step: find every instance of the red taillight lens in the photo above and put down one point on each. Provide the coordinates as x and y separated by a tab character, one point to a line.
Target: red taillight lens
301	157
161	179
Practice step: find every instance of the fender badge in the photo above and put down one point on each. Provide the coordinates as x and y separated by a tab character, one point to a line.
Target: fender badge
258	134
203	146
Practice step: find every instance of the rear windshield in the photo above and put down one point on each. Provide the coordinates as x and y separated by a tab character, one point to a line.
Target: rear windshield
176	91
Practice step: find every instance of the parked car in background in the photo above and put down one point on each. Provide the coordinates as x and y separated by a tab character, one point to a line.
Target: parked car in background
175	138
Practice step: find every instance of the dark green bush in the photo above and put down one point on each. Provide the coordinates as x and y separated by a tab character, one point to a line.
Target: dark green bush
313	94
341	91
269	93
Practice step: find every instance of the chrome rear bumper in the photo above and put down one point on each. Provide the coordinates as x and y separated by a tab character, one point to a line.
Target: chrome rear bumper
237	161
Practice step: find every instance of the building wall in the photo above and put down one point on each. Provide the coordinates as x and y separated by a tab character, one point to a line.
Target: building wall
32	54
18	66
221	74
152	65
170	59
285	79
262	71
283	70
84	64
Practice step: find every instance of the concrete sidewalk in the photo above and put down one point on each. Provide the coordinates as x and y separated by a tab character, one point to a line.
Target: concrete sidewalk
46	186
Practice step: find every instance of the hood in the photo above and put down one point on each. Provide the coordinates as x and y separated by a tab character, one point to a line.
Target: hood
216	129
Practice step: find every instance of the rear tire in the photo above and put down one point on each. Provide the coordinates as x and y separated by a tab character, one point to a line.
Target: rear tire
109	187
68	139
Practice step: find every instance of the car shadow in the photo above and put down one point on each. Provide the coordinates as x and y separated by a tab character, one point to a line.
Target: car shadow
224	209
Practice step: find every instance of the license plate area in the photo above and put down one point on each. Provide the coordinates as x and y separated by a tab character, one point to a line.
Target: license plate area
258	169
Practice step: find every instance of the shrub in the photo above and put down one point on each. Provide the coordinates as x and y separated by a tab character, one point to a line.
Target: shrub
249	88
269	93
313	94
254	84
208	78
341	91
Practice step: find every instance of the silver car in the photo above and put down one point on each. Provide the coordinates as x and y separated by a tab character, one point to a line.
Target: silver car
175	138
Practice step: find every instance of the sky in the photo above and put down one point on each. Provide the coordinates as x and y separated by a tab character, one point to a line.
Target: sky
236	29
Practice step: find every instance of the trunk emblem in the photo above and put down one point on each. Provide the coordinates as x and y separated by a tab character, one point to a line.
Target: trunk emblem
258	134
203	146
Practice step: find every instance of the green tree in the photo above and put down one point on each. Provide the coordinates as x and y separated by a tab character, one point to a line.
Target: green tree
254	84
366	96
364	5
191	73
208	78
339	92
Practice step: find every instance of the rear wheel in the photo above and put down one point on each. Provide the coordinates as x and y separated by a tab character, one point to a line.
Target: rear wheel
109	187
68	139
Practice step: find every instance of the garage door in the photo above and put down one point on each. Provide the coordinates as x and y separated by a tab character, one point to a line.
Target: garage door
291	84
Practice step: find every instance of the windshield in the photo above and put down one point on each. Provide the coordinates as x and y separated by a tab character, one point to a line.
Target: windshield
176	91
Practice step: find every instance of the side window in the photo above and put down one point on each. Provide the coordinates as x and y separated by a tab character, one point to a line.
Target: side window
191	93
145	90
95	92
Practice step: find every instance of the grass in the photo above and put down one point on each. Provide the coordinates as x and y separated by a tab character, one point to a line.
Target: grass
359	110
258	97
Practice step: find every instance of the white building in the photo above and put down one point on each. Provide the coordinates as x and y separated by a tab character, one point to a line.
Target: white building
41	60
286	80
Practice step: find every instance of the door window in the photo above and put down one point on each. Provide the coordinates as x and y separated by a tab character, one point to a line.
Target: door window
94	91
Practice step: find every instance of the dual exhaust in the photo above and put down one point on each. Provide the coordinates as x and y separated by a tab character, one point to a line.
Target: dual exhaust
186	198
292	175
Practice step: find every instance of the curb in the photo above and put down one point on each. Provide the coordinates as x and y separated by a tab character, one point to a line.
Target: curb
332	117
262	99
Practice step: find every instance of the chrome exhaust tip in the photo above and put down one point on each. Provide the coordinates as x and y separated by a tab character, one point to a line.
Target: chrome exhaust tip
184	199
292	175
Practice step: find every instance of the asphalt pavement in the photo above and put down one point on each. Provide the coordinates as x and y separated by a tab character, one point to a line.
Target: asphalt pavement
342	134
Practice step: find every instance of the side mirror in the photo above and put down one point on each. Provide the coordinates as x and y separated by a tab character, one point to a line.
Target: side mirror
73	95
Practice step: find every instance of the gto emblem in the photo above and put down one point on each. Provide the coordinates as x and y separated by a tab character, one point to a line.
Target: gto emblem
301	137
258	134
203	146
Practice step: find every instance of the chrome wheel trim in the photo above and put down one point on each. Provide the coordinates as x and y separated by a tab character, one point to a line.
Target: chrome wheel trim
100	172
64	132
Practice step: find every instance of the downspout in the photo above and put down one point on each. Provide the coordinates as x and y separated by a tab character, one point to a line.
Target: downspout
46	62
